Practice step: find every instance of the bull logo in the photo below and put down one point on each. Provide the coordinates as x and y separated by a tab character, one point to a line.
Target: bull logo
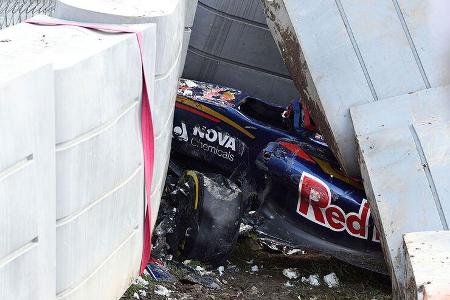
180	132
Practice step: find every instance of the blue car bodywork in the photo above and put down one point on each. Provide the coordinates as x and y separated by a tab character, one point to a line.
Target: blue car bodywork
303	198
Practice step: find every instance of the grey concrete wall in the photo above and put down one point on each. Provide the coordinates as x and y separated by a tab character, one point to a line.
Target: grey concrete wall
27	178
232	45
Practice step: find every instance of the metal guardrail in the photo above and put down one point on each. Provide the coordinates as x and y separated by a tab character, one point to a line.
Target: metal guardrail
15	11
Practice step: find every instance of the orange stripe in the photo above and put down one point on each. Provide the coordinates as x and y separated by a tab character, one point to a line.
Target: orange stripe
197	112
215	114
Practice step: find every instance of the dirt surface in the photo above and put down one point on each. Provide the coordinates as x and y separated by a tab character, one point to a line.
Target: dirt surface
242	280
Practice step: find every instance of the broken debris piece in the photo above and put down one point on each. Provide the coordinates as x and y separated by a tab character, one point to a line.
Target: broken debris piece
291	273
254	269
293	251
331	280
141	281
206	281
288	284
313	280
160	273
162	291
245	228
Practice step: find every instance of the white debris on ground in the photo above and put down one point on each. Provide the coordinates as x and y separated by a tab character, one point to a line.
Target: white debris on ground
331	280
291	273
254	268
186	262
313	280
293	251
143	293
162	290
202	271
136	296
199	269
249	261
288	284
245	228
221	270
233	268
141	281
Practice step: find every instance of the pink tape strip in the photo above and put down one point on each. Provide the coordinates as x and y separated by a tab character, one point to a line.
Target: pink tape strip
146	123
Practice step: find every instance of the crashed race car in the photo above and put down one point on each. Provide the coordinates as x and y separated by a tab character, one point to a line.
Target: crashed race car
239	158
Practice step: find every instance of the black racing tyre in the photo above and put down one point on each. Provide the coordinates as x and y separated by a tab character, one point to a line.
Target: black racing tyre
209	212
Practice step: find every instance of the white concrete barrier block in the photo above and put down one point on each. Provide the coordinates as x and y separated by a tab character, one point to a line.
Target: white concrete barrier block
93	165
427	258
347	52
191	8
403	154
168	15
108	226
99	159
112	278
85	93
27	179
171	17
429	30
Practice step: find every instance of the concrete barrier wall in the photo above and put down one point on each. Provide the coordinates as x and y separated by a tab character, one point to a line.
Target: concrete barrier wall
232	45
344	53
86	241
27	178
99	159
427	263
403	154
171	19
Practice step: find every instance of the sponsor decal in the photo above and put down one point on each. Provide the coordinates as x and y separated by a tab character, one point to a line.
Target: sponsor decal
211	135
216	142
180	132
211	113
315	205
208	93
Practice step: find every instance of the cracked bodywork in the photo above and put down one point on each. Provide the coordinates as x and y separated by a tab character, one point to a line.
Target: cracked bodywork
287	173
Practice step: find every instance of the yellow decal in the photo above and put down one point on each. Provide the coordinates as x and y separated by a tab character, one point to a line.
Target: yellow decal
327	168
194	176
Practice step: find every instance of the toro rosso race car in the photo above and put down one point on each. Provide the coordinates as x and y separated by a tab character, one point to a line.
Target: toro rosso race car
234	154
